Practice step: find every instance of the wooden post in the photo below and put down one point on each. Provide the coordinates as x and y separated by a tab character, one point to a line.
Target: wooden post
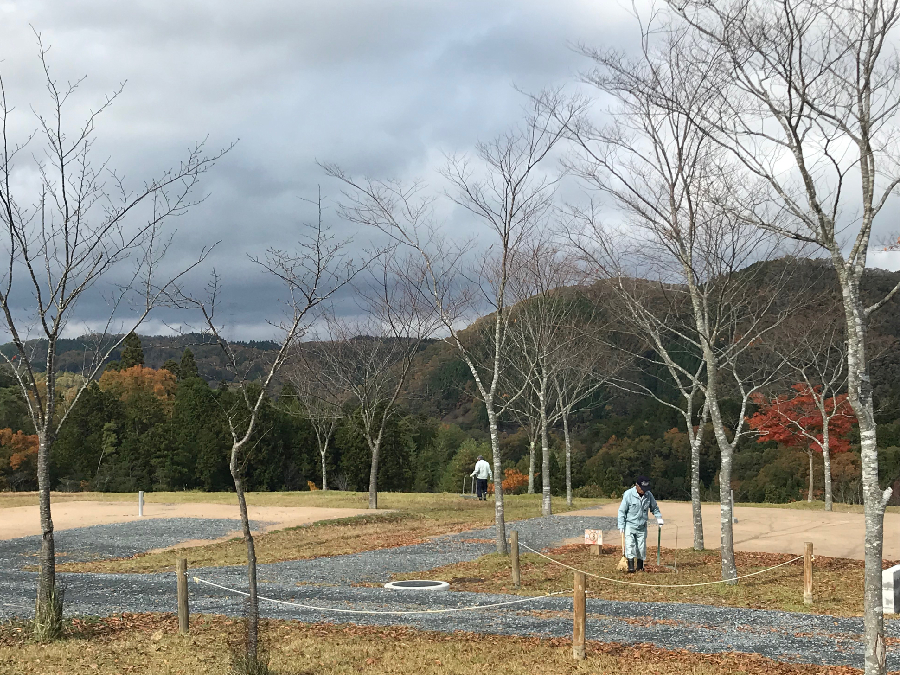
514	554
181	581
595	549
807	574
579	607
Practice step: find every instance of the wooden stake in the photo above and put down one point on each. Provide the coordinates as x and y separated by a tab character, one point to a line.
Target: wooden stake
579	607
182	587
595	549
514	554
808	574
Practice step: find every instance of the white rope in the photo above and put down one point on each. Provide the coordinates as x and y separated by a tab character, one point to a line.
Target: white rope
633	583
393	613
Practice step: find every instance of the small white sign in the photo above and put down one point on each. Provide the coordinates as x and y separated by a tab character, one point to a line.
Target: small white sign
593	537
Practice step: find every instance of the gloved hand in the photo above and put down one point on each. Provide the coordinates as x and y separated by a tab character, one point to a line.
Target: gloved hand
659	521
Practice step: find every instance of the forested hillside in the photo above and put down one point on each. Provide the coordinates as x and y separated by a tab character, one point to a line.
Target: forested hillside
154	421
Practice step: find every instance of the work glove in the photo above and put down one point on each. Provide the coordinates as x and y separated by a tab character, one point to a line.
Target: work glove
659	521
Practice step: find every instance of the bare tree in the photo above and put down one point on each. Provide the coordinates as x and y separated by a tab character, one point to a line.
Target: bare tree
809	108
509	194
318	405
814	351
657	322
72	233
584	365
682	198
525	410
310	276
540	329
369	361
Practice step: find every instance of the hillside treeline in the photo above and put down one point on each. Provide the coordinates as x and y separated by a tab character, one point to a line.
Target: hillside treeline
143	428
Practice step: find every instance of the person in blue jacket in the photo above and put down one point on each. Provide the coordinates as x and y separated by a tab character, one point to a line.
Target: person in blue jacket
633	521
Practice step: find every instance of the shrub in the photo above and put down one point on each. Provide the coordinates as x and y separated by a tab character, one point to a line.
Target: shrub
591	492
514	482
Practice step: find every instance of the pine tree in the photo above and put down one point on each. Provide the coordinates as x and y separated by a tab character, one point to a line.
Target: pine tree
172	366
188	368
132	352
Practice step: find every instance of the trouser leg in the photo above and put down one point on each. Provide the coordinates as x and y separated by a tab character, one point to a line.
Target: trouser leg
630	545
636	543
481	487
640	540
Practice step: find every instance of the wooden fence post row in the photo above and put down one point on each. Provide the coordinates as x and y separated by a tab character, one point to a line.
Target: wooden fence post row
182	588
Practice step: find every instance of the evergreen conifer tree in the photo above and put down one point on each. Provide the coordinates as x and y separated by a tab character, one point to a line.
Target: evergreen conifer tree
132	352
188	368
172	366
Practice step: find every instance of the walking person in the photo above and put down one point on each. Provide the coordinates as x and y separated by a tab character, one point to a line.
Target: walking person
482	474
633	521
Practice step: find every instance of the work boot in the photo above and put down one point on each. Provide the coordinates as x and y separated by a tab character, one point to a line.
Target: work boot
631	566
640	565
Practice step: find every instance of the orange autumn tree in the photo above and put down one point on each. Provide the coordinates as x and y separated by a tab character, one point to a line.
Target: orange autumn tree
805	419
139	380
18	455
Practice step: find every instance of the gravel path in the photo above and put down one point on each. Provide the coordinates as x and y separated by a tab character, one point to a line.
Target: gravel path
118	540
326	582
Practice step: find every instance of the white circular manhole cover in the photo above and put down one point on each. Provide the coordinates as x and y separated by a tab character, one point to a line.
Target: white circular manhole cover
418	585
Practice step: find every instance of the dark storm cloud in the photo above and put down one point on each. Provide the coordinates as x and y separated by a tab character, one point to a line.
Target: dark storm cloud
382	88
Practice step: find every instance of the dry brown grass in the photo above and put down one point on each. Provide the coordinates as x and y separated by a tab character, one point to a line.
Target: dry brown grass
150	644
418	517
837	582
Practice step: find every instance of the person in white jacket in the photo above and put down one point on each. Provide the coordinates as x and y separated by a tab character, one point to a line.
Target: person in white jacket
482	474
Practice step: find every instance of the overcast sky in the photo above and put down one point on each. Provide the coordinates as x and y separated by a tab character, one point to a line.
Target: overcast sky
380	87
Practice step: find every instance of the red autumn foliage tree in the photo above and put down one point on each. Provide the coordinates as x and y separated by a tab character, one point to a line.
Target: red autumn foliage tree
804	419
18	455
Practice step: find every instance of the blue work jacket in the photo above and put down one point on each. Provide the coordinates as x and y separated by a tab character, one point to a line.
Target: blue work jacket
633	509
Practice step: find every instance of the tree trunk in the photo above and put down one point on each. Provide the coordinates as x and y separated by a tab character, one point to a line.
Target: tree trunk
498	481
696	514
373	476
809	492
531	461
859	389
324	452
826	460
546	505
48	611
726	450
252	599
565	421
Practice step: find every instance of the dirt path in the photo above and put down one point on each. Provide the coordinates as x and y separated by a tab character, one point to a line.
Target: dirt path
769	530
24	521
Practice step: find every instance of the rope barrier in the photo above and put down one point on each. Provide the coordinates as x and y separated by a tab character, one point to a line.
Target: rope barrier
392	613
633	583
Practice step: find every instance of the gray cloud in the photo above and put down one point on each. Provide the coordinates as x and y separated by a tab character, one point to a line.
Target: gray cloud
381	88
